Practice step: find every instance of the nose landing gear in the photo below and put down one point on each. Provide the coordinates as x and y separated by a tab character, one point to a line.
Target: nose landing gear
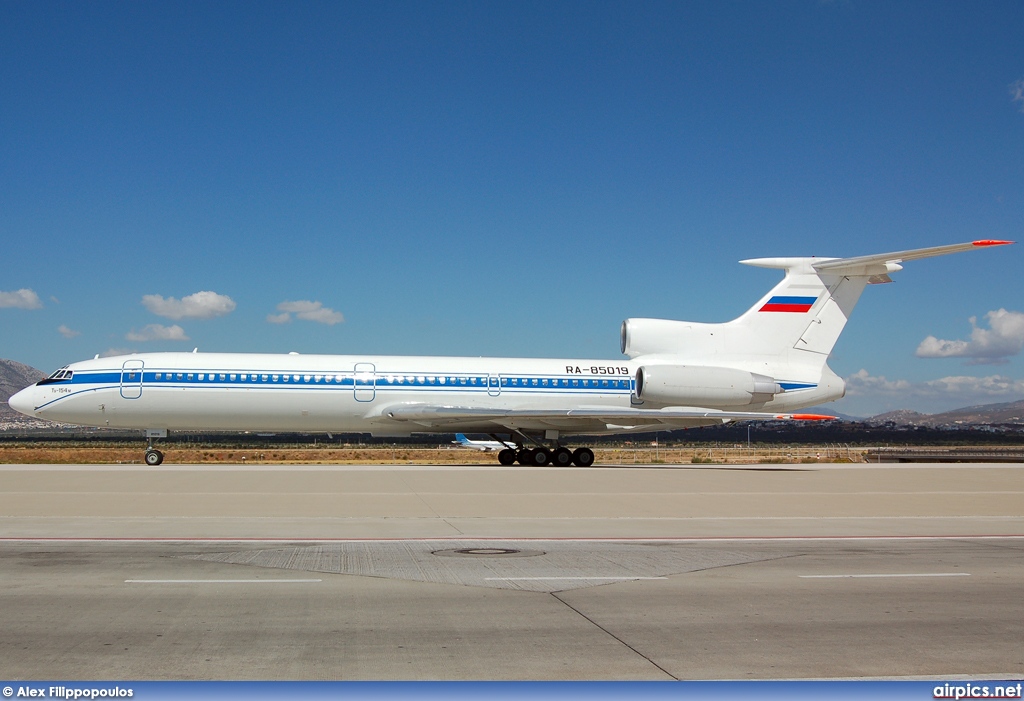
153	456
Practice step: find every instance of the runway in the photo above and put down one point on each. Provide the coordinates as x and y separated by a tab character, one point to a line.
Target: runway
480	572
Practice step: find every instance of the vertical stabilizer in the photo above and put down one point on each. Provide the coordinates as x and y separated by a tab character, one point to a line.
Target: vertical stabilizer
806	311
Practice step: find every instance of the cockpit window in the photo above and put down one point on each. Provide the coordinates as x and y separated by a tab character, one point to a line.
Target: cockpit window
62	375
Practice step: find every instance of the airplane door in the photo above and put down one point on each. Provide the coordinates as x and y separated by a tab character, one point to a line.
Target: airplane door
131	379
494	385
365	382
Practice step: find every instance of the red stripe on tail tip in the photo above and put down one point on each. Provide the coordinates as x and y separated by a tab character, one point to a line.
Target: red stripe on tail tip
812	417
991	242
770	307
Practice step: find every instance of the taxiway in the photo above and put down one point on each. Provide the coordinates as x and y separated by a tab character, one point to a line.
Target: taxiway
412	572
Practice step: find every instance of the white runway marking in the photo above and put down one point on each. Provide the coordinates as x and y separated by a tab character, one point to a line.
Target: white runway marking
854	576
221	581
632	539
545	579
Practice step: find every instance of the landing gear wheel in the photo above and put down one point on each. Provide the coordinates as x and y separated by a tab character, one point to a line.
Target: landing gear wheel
507	456
525	456
154	457
540	457
561	457
583	457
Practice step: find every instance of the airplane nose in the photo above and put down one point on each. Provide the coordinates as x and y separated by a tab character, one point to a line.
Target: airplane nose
22	401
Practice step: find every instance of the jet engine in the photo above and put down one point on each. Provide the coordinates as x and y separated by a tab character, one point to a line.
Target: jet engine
697	385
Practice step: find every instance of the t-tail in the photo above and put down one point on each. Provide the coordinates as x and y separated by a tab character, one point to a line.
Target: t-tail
774	355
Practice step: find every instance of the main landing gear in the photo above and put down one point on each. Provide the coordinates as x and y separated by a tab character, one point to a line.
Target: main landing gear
153	456
539	457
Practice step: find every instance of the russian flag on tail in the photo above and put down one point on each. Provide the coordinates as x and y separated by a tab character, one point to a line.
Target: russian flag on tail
782	303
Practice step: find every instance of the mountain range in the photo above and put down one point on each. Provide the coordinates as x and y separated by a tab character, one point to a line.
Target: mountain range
988	414
14	377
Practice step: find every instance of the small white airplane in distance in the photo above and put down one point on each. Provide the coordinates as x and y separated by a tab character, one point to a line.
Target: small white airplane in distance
766	364
487	446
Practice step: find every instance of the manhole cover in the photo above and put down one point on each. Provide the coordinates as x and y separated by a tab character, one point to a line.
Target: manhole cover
487	552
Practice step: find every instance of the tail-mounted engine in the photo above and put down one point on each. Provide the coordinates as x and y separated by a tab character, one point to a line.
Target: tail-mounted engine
701	386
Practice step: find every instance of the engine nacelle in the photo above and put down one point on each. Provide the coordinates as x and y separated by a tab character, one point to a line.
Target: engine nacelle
702	386
649	336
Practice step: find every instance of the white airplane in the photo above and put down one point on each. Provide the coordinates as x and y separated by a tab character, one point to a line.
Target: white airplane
462	442
767	364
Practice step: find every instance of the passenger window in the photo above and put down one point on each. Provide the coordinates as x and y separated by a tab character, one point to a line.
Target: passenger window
190	377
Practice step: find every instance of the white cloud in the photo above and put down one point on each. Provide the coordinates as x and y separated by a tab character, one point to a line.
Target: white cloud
157	332
1017	92
112	352
66	332
20	299
201	305
990	387
306	310
963	390
862	382
987	346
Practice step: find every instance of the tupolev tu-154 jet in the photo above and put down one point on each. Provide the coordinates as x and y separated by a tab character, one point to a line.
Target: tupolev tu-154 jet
766	364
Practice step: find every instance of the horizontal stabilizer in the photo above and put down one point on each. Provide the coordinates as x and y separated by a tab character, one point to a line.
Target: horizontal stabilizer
891	261
878	264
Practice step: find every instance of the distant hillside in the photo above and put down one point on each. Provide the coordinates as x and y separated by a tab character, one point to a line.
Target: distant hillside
15	377
900	417
1004	413
984	414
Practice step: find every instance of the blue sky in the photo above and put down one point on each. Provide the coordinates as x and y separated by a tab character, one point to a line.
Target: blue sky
484	178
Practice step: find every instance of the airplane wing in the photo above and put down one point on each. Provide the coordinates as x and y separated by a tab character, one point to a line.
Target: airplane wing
579	419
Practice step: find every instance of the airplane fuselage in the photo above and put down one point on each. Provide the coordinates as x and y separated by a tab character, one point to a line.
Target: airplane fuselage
335	393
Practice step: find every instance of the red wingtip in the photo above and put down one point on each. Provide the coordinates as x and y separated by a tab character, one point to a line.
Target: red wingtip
812	417
992	242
